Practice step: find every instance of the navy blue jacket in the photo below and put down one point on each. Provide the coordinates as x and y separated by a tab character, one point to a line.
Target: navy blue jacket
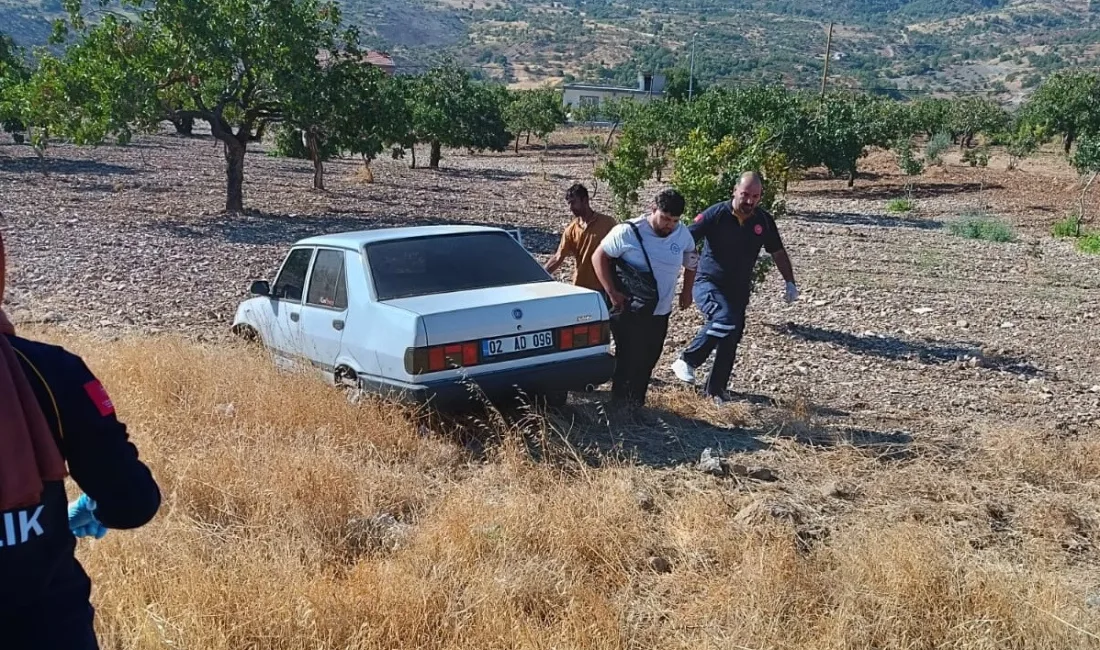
731	248
39	573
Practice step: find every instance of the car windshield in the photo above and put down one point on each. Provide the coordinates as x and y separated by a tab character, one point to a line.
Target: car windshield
421	266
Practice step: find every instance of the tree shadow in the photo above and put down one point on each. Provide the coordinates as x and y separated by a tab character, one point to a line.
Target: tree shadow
62	166
884	446
476	173
885	192
890	347
856	219
266	229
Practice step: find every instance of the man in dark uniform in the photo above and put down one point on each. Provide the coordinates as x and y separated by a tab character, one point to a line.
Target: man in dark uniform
56	419
734	231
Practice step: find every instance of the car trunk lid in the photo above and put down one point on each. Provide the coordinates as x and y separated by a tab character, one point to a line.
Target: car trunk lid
502	311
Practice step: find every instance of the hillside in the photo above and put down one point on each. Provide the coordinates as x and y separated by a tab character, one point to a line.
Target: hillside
1000	47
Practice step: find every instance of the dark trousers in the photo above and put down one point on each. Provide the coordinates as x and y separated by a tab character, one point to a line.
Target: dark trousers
639	340
721	334
64	626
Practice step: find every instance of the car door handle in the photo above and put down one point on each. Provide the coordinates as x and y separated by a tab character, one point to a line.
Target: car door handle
294	316
337	324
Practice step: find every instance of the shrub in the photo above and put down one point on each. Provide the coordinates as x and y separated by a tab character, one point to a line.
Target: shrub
1068	227
900	205
939	143
977	157
1089	243
984	227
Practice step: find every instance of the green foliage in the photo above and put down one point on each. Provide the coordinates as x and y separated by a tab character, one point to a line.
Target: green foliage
846	124
703	171
344	105
449	108
679	84
1089	243
972	116
625	172
13	73
1086	158
977	157
289	142
1024	140
984	227
937	145
931	116
1068	227
908	163
537	111
900	205
1066	104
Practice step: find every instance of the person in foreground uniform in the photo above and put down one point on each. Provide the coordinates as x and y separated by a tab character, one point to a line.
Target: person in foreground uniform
56	419
734	232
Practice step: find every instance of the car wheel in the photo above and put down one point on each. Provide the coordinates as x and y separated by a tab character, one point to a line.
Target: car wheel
246	333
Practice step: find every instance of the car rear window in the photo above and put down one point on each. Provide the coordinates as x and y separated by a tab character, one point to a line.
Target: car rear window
427	265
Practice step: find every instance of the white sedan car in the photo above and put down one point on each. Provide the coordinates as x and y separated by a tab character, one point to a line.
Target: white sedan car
418	313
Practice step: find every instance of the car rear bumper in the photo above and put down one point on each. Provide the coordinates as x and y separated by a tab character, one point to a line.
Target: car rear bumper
581	374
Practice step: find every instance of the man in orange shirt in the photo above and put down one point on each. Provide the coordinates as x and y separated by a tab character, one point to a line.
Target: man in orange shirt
581	238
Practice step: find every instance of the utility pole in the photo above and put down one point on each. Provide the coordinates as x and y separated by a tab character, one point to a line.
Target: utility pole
691	68
828	52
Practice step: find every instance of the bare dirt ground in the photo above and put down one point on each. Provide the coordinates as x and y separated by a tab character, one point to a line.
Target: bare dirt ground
901	326
926	386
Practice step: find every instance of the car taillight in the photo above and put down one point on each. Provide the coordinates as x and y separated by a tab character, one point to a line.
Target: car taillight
441	357
584	336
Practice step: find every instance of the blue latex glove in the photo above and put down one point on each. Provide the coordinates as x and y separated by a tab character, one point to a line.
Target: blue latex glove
82	521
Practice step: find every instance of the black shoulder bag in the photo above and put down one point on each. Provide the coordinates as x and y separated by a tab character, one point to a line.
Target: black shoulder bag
640	287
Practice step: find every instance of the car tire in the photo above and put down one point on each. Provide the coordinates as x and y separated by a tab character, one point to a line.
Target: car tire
246	333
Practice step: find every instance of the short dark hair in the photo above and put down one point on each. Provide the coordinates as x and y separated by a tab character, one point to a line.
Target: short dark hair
670	201
576	191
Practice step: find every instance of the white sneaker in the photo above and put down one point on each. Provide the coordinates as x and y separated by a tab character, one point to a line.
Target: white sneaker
683	371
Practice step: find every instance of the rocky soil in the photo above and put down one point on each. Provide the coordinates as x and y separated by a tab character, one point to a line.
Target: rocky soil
902	326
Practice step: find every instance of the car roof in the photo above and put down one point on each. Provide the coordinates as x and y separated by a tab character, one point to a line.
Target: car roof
356	239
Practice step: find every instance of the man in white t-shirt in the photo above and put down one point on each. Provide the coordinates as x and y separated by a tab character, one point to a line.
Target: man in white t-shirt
640	335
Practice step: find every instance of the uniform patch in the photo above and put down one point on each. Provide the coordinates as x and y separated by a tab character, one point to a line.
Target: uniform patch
758	229
99	397
699	218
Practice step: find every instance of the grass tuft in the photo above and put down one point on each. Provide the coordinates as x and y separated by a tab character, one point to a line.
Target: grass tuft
1068	227
984	227
1089	243
900	205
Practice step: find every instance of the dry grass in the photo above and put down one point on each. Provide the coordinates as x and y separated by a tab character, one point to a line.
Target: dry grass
270	480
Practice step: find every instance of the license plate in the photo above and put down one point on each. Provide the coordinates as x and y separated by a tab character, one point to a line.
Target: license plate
516	343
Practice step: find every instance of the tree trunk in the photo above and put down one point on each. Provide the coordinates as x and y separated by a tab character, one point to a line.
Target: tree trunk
413	150
517	142
184	125
437	153
1081	209
528	137
1067	141
234	175
852	175
318	164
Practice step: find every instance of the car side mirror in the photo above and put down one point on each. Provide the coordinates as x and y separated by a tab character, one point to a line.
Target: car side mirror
260	288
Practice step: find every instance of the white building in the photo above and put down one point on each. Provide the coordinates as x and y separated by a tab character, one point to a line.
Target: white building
649	86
